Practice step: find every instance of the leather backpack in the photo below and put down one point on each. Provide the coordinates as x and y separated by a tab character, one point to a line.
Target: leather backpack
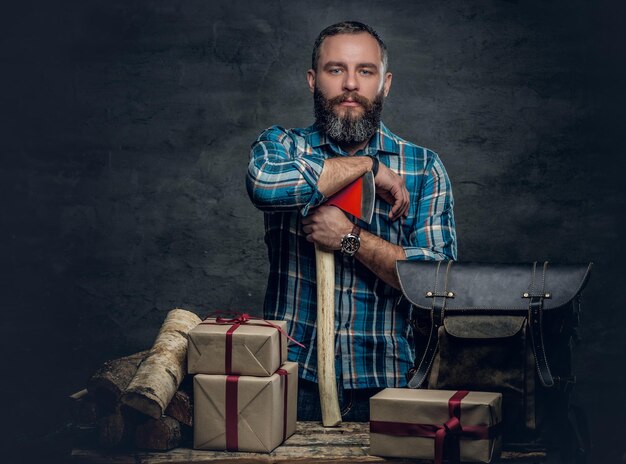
507	328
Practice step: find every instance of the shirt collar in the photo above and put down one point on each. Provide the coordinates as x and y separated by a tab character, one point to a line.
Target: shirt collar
383	140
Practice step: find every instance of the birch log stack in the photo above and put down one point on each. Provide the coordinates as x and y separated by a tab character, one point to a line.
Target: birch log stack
163	370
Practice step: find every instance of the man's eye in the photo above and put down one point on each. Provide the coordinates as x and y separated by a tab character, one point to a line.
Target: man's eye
366	72
335	71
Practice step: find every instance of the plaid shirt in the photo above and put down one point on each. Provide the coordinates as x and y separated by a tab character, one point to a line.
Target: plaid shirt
373	338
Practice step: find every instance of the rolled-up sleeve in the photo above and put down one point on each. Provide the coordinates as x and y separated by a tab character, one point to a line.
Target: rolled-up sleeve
434	235
281	176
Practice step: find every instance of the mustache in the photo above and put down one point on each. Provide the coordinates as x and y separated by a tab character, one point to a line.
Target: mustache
350	96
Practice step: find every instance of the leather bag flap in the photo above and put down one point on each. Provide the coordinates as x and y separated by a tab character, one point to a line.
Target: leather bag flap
488	327
477	287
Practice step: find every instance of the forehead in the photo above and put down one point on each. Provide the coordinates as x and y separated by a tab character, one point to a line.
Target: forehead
351	49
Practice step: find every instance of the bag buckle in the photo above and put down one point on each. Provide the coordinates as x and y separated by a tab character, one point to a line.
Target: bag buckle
430	294
530	295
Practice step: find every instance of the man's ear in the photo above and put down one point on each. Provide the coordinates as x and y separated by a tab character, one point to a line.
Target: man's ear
387	83
310	77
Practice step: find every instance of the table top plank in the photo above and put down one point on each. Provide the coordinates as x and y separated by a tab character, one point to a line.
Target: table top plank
311	444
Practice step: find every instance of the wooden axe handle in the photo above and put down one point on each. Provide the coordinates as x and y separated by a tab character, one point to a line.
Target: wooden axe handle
325	267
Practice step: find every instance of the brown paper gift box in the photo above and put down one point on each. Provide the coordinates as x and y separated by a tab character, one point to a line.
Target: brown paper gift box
403	406
251	416
257	348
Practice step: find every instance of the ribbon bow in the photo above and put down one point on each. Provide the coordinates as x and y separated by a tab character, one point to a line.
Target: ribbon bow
451	430
241	319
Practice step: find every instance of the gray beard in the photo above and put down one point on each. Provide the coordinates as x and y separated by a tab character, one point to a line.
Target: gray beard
348	130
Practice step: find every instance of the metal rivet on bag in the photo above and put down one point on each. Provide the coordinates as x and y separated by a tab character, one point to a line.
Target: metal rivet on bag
526	295
450	294
429	293
547	295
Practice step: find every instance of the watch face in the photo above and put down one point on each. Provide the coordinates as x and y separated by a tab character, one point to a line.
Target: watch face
350	244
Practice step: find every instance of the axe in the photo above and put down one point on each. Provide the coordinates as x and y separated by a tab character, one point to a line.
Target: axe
356	199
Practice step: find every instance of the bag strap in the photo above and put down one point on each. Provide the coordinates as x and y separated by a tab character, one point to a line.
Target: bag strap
437	314
418	374
535	323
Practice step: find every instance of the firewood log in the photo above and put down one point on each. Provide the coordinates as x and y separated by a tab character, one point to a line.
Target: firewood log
118	429
162	371
181	408
112	378
158	434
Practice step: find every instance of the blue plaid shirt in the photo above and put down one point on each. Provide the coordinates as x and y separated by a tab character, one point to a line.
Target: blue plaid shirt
373	338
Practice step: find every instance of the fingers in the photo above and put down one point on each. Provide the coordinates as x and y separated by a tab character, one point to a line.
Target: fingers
391	188
308	229
401	201
308	223
397	210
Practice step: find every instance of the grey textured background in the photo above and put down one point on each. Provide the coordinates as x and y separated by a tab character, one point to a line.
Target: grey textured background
125	133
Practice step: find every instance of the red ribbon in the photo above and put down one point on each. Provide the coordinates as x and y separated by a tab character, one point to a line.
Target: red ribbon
232	413
284	375
238	322
451	431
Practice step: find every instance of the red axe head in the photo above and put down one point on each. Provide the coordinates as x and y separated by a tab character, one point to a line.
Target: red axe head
357	198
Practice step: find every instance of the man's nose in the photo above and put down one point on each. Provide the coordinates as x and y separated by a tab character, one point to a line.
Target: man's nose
350	82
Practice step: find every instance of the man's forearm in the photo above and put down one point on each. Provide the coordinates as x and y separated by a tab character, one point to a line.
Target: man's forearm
380	257
339	172
327	225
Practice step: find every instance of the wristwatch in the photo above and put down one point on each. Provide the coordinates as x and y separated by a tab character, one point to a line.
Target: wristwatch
351	242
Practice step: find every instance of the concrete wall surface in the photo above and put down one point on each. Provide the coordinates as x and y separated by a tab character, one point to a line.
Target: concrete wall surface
125	132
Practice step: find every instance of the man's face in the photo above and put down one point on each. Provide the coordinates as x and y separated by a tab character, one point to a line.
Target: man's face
349	86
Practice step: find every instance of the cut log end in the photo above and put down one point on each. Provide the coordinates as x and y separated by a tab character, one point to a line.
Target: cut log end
181	408
158	434
117	429
143	403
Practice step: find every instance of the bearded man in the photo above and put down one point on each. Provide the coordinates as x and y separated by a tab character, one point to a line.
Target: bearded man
290	175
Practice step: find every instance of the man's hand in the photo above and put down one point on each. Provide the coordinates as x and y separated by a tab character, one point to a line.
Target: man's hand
391	188
326	226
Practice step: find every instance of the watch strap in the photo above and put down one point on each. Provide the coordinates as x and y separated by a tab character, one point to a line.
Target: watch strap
375	164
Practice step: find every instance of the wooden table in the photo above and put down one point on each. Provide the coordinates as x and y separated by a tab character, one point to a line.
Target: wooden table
311	444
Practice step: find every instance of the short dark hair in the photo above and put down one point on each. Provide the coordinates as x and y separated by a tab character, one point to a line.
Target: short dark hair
348	27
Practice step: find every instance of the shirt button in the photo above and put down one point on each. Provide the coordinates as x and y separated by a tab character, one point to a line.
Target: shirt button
337	356
347	325
349	292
